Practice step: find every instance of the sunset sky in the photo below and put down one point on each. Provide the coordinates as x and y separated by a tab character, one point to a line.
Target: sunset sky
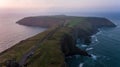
62	5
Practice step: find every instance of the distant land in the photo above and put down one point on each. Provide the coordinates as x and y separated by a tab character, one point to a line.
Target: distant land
51	47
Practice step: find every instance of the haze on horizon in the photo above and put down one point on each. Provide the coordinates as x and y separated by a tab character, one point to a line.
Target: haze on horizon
62	5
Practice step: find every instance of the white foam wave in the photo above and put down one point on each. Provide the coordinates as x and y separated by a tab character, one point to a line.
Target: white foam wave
98	33
94	39
83	45
94	57
81	64
89	49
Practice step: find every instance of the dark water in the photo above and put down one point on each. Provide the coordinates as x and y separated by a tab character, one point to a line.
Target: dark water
11	33
105	48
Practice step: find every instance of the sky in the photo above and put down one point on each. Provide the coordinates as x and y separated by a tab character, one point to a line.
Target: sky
62	5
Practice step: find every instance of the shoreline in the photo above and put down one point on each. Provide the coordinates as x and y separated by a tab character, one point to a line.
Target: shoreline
7	49
97	32
61	44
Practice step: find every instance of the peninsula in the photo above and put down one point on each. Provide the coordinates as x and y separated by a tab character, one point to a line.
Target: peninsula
51	47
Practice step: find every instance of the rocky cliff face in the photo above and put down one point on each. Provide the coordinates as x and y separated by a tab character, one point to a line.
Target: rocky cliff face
69	48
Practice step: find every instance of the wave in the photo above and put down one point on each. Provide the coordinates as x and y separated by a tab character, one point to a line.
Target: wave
94	57
83	45
81	64
94	39
98	32
89	49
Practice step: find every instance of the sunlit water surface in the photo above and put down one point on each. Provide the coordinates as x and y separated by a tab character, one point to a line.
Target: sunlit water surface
11	33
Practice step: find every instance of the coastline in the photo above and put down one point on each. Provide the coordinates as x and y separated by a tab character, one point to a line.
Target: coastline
16	44
68	45
23	39
86	47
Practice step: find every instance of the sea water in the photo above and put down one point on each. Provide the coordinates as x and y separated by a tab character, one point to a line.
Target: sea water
11	33
104	49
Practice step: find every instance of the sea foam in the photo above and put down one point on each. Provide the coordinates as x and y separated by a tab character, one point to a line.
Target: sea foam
83	45
94	57
89	49
94	39
81	64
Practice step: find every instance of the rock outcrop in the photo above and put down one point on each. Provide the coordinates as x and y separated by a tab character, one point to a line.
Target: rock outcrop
69	48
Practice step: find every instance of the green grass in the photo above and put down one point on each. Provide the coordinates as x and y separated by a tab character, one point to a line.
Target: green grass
49	53
80	22
75	21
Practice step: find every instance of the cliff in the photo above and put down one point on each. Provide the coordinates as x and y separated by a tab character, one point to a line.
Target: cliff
69	48
89	26
92	28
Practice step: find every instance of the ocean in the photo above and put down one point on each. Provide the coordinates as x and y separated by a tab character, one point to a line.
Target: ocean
105	47
11	33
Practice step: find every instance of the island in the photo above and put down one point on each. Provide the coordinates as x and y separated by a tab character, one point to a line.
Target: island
51	47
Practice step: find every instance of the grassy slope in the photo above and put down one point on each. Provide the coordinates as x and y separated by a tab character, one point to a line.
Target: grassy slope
49	54
19	49
81	22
